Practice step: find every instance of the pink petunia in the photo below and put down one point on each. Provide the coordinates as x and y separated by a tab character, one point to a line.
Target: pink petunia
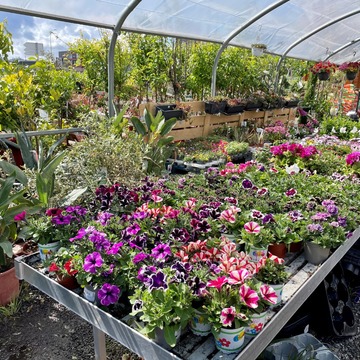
228	316
248	296
268	294
238	276
21	216
291	192
218	283
252	227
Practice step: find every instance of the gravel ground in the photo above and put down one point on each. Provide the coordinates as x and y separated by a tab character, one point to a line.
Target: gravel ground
44	330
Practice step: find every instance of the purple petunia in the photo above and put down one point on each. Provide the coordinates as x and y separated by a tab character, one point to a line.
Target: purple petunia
247	184
332	209
315	228
179	235
139	257
63	219
157	281
108	294
342	221
291	192
92	261
104	217
320	216
114	249
133	229
161	251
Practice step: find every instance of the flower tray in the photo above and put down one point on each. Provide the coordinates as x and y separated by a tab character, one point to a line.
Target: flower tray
214	107
291	103
253	105
234	109
169	111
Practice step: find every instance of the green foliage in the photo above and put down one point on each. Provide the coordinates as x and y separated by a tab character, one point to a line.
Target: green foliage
154	133
106	156
235	147
341	126
272	272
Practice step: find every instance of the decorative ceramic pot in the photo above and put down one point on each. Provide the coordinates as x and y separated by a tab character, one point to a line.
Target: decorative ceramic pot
323	76
198	325
278	288
229	340
47	250
314	253
256	325
256	253
9	288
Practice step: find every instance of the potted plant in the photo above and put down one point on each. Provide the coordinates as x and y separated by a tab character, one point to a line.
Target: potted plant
238	152
13	207
350	68
215	105
258	49
323	69
234	106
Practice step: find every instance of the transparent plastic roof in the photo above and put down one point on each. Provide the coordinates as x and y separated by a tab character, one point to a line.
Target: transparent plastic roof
215	20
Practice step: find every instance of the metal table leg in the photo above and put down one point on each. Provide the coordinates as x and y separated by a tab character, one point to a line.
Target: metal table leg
99	344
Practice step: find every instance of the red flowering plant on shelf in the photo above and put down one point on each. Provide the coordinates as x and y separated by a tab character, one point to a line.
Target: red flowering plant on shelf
323	67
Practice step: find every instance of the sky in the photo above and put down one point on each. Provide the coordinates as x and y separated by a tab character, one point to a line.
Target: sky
54	35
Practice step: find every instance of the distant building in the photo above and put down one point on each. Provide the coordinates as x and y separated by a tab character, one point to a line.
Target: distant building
67	58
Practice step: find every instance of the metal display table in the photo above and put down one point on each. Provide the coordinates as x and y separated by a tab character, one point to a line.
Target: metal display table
304	279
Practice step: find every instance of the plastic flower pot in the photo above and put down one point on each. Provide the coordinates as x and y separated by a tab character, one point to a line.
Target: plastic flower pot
278	288
256	325
314	253
198	325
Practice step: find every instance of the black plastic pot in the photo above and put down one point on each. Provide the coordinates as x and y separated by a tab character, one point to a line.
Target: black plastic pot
169	111
236	109
215	107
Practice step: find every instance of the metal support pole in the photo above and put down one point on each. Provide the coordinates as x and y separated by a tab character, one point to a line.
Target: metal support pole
305	37
111	89
235	33
99	344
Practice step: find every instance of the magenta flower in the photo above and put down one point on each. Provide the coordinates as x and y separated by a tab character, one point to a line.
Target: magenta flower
218	283
228	315
228	215
320	216
252	227
92	261
161	251
114	249
268	294
263	191
353	158
133	229
140	257
108	294
291	192
248	296
256	214
238	276
21	216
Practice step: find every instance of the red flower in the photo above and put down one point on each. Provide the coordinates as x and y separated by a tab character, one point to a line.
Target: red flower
53	212
218	283
224	342
69	269
54	268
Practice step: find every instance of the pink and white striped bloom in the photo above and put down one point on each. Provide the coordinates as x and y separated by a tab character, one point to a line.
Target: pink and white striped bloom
248	296
268	294
238	276
252	227
217	283
228	315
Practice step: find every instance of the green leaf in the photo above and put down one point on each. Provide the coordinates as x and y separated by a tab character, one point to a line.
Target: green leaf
169	334
5	190
165	141
70	198
119	118
6	245
10	168
139	126
53	147
26	150
50	168
168	126
42	189
148	118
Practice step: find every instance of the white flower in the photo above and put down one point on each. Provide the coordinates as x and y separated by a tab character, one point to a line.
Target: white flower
354	130
316	130
343	130
333	130
293	169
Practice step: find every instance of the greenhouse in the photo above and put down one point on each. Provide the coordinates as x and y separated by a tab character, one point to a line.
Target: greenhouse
187	184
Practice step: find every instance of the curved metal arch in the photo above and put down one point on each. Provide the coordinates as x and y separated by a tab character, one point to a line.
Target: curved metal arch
352	42
235	33
305	37
111	90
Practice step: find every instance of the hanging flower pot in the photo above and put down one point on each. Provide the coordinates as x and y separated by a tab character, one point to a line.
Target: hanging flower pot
351	75
229	341
258	49
323	76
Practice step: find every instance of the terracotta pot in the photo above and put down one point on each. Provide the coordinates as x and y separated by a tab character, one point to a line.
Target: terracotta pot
278	250
9	288
67	281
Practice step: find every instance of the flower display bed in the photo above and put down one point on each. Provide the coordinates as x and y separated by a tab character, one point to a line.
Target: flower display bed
304	279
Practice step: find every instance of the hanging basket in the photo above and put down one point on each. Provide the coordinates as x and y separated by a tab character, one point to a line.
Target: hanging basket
323	76
351	75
